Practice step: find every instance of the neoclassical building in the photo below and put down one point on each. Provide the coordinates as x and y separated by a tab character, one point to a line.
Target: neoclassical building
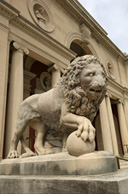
38	39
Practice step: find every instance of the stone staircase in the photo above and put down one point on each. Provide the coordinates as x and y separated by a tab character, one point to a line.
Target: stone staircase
122	161
123	164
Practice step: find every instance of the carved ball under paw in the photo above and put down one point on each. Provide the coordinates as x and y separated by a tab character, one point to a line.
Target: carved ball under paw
76	146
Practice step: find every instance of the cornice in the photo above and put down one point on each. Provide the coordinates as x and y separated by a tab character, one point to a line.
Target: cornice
114	84
13	15
126	57
74	8
78	12
29	28
7	10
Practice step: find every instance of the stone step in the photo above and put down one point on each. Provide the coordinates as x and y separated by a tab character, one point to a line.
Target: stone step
123	164
99	162
113	183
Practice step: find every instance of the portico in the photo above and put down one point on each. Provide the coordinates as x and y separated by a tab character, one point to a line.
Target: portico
30	49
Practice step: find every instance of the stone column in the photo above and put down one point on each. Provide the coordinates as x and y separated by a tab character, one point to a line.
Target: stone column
56	74
126	110
4	56
105	127
15	96
123	127
112	126
28	76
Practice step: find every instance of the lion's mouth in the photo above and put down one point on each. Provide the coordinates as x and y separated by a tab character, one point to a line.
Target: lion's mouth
95	90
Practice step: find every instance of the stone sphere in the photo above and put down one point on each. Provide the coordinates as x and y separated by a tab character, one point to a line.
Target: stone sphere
76	146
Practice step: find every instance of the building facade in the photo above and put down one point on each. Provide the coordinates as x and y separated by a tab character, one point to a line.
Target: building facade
38	39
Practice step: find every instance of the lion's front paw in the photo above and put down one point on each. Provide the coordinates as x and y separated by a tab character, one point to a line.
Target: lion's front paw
88	135
86	130
13	154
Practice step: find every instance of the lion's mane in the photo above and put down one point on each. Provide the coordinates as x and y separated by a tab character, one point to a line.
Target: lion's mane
76	98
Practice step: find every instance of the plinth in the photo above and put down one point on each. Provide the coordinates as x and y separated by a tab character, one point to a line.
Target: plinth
60	164
94	173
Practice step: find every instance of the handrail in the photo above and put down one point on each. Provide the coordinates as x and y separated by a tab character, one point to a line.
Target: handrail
120	157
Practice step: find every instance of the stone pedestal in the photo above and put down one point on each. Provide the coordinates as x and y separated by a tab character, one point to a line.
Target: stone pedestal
60	164
114	183
94	173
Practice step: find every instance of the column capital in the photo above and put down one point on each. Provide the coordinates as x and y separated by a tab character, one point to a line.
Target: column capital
108	95
26	51
55	67
121	101
17	46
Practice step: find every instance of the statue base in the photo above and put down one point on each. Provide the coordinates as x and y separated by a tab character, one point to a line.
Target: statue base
100	162
96	174
113	183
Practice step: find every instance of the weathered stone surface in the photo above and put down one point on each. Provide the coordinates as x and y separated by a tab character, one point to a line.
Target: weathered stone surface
115	183
60	164
76	146
71	105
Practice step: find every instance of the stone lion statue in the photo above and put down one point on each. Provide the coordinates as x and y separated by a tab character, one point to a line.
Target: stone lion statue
70	106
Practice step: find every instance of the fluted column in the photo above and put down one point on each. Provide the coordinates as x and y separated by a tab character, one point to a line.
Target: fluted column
15	91
105	127
112	126
123	127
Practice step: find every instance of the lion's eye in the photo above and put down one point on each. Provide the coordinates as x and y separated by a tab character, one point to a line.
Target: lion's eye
103	74
91	74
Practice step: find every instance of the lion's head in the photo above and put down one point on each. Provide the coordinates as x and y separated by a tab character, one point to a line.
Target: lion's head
84	85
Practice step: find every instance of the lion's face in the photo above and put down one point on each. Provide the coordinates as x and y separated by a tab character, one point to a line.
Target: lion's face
93	80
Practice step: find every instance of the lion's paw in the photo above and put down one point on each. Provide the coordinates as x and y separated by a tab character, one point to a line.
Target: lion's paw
28	154
88	136
84	135
86	131
91	136
39	150
13	154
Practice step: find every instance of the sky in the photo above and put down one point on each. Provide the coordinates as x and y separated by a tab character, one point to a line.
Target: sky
112	15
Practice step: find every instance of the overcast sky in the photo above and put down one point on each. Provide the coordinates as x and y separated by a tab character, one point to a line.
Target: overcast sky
112	15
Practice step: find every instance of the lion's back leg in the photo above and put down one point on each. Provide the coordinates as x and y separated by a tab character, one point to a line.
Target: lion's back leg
41	131
28	151
25	115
